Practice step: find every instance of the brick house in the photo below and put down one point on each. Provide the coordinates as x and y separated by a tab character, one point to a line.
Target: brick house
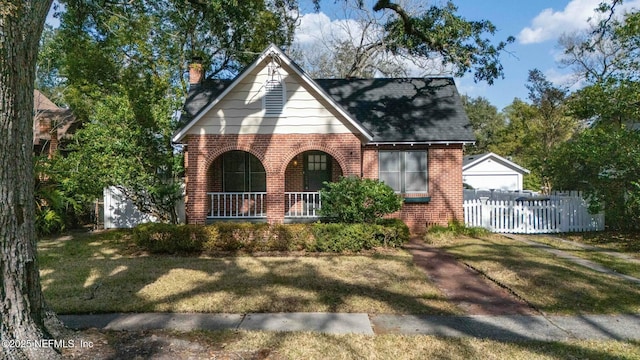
52	125
259	147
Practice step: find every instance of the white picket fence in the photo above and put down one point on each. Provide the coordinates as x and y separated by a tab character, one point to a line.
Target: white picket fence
560	214
475	194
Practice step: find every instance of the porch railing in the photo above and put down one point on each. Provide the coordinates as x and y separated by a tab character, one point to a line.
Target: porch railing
237	205
302	204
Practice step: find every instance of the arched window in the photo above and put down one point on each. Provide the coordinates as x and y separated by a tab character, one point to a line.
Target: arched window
242	172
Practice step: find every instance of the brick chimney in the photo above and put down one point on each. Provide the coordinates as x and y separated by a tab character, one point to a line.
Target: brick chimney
196	71
53	143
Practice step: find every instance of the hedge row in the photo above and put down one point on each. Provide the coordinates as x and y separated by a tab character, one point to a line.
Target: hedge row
248	237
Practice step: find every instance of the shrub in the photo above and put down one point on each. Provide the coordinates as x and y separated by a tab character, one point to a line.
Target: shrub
356	200
392	233
341	237
247	237
457	228
170	239
293	237
240	236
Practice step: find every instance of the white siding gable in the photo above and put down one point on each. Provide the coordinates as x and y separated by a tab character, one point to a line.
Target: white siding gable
490	166
241	111
493	174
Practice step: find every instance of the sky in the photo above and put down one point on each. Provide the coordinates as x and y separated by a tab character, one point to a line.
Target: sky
536	24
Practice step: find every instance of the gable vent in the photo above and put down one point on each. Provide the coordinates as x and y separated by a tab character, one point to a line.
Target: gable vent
273	98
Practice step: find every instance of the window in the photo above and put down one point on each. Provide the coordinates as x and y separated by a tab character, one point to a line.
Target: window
404	171
274	95
316	162
242	172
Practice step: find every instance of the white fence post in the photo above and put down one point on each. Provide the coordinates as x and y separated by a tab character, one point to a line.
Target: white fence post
485	213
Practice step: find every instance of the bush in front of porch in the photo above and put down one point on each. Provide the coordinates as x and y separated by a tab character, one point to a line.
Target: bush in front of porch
251	237
358	200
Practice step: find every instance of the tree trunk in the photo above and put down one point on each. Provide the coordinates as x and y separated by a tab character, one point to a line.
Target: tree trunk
22	307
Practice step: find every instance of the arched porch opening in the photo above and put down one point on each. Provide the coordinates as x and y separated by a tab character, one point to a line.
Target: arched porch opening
236	186
305	175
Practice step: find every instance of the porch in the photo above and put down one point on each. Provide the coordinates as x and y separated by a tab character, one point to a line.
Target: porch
252	206
237	187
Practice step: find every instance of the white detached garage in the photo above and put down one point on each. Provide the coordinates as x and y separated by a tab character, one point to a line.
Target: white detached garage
492	171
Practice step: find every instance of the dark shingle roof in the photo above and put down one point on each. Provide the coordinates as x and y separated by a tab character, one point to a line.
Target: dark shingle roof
200	96
403	109
468	159
393	110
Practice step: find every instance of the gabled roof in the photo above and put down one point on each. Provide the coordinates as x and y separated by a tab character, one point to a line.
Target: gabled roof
201	95
391	110
42	103
469	161
220	90
46	112
404	109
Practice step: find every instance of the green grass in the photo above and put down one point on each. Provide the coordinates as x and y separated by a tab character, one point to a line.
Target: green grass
105	273
456	229
272	345
612	262
553	285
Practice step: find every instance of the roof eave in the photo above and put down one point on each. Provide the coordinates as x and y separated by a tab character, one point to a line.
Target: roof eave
498	158
423	142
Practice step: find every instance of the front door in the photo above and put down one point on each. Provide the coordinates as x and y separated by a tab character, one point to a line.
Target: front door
317	166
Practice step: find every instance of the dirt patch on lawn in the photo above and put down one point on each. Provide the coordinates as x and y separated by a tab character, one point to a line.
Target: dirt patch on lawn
463	286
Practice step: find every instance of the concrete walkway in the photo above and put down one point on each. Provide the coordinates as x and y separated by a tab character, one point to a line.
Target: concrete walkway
616	254
575	259
505	327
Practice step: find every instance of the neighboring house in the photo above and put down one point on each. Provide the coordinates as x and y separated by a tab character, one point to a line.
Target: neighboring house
51	125
259	147
492	171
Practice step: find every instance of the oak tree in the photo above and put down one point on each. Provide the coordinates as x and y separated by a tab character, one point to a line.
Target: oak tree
23	311
440	33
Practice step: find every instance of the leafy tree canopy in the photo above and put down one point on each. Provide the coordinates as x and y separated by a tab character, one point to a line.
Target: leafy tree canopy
604	162
606	59
534	129
440	33
120	67
486	121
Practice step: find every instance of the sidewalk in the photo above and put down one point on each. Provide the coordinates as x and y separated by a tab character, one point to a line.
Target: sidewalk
504	327
575	259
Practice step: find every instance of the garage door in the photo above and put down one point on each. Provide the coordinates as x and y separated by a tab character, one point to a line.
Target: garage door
494	181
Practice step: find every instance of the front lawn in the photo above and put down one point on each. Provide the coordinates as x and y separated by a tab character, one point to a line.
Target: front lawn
274	345
552	285
104	272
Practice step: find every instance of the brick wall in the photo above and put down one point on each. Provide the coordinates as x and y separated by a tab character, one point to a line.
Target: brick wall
444	187
294	179
278	151
275	151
